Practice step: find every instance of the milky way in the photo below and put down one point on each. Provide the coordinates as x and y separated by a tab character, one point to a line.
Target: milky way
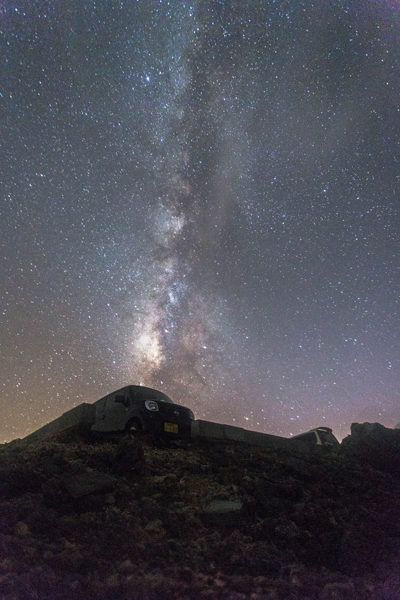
201	197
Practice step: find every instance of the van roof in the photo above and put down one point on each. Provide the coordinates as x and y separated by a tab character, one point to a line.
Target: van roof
146	391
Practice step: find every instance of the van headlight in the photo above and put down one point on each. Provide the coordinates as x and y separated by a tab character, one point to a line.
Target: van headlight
151	405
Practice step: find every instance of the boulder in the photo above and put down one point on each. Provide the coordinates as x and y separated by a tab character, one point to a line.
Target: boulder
223	511
362	431
223	507
90	482
374	444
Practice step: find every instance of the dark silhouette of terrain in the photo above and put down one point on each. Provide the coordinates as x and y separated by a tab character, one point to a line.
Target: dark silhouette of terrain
131	520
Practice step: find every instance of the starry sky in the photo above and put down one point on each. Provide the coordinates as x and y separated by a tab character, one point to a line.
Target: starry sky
201	197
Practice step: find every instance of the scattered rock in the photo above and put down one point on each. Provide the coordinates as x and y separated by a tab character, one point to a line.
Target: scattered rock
126	566
203	521
337	591
287	529
222	507
156	529
21	529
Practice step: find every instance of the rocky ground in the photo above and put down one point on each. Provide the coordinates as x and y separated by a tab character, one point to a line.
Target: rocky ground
136	521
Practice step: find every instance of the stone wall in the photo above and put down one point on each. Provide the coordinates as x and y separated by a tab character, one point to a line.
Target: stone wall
78	417
219	431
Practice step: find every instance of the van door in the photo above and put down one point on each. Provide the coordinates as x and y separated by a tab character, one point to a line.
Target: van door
113	414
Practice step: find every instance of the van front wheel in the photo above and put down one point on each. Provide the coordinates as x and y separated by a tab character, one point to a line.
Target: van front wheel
134	429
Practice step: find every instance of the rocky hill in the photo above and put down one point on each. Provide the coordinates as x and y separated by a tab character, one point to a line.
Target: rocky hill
209	520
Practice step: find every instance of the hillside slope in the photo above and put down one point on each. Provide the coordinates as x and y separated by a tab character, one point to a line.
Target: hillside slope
130	520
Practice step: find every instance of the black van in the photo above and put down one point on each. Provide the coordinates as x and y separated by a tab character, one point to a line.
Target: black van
136	409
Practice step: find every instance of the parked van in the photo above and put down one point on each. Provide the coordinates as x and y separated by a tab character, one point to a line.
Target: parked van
136	409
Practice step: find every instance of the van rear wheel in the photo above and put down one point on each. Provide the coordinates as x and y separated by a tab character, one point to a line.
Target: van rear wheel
134	429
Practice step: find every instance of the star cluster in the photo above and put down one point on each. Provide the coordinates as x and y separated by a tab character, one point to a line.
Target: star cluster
201	197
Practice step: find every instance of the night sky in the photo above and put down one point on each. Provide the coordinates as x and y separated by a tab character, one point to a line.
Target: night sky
201	197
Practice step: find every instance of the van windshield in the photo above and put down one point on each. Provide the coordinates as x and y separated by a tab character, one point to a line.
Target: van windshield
159	397
326	437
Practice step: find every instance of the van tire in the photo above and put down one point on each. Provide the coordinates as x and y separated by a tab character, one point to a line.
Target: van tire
134	429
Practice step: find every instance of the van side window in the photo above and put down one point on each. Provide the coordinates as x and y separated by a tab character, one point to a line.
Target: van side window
119	398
